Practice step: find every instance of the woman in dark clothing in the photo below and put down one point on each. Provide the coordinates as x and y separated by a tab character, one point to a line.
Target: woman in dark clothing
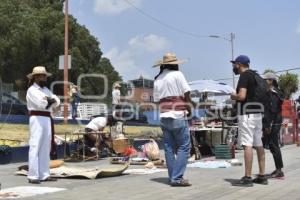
271	139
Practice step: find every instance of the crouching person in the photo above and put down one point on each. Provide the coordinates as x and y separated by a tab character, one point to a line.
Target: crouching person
95	125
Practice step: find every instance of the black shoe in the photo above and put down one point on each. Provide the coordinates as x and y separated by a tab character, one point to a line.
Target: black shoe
244	182
261	179
181	183
34	181
277	174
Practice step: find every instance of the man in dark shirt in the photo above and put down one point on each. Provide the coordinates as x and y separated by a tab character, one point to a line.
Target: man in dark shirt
249	121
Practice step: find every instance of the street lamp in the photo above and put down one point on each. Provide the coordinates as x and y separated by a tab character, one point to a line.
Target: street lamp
230	39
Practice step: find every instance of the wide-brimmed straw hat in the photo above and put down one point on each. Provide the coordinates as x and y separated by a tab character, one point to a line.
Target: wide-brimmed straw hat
117	85
38	70
270	76
169	59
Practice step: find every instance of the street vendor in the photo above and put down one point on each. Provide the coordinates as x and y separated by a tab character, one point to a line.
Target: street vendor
97	124
40	103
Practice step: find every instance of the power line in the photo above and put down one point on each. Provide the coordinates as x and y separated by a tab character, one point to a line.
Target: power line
276	72
173	28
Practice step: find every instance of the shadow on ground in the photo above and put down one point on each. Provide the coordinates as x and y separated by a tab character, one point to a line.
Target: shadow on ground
233	182
162	180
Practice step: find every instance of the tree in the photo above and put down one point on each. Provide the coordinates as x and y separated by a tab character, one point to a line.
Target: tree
32	33
288	83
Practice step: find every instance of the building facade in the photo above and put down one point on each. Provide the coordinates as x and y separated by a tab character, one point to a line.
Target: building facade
140	92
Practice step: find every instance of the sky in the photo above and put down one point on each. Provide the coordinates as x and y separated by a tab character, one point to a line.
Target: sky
134	34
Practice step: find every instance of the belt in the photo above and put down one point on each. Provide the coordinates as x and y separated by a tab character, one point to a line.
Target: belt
53	151
39	113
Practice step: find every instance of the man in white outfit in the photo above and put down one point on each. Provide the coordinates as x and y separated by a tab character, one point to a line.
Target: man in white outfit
116	100
116	94
40	102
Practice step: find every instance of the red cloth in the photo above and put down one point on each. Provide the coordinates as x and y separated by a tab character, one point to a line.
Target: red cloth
130	151
172	103
53	151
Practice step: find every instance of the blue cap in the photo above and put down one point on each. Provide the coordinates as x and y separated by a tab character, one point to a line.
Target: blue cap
242	59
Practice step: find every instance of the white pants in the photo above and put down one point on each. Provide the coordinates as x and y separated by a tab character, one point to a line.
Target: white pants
250	130
39	147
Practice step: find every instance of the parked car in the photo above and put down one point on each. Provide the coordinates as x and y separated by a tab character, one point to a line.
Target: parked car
11	105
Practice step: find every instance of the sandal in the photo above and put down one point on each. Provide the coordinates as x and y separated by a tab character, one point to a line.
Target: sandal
181	183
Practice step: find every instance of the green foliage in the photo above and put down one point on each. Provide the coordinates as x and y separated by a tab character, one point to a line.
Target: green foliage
288	83
32	33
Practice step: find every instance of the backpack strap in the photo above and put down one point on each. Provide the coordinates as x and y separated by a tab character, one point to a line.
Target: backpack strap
253	72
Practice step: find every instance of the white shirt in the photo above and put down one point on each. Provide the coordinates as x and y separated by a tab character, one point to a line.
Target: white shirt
97	123
116	96
170	83
36	98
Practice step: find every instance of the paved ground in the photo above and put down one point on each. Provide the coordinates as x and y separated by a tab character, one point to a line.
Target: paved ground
207	184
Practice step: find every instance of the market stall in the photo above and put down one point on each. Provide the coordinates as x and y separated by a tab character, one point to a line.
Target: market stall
215	126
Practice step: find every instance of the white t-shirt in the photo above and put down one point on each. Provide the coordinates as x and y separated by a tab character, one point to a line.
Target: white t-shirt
170	83
116	96
97	123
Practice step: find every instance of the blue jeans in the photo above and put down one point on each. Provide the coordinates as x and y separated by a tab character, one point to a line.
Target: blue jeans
74	110
176	142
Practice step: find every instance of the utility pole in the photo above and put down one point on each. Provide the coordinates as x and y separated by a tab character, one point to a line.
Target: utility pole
66	62
232	36
231	40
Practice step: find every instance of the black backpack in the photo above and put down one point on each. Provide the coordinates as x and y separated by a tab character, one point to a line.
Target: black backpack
262	94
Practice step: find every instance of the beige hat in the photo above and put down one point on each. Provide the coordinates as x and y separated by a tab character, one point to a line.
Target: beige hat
117	85
169	58
270	76
38	70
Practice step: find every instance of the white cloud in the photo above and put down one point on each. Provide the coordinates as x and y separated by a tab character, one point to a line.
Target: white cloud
125	61
114	7
150	43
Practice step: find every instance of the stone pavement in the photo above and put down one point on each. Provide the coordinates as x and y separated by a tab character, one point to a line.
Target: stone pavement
207	183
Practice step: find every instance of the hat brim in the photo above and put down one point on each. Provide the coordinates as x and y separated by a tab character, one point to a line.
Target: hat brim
30	76
177	62
269	78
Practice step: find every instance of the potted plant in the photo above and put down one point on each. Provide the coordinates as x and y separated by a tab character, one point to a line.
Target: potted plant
5	154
